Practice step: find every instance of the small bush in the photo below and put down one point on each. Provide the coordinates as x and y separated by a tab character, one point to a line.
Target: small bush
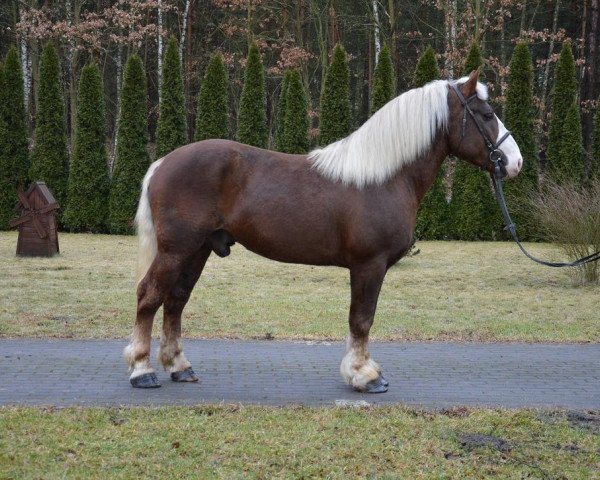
569	215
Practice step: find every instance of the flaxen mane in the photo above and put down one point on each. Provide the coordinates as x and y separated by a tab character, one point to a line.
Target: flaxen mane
394	136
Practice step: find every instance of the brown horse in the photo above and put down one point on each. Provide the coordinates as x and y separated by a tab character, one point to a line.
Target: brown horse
351	204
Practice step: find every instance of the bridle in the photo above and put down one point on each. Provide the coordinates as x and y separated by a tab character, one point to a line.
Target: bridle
497	159
496	156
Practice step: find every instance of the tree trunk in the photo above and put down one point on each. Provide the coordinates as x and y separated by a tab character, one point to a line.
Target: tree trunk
25	67
333	27
450	13
186	12
588	91
72	13
392	21
160	47
376	38
119	67
318	15
550	52
523	18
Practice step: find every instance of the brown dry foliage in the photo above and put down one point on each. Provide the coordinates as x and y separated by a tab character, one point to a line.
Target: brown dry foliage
569	215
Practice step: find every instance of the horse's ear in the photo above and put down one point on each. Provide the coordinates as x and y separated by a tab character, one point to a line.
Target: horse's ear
470	86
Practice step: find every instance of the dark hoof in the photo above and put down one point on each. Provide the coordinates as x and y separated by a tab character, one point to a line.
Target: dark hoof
384	381
147	380
186	375
379	385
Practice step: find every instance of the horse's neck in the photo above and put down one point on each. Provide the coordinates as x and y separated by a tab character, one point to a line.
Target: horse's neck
420	174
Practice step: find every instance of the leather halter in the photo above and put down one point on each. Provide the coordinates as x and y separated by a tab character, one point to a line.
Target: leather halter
497	158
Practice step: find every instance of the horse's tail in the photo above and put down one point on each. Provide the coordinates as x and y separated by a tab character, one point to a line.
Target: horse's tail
145	227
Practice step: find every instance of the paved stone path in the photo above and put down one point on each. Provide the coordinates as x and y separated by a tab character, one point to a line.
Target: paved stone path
431	375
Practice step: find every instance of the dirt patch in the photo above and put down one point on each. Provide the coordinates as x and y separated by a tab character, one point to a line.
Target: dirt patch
469	441
585	421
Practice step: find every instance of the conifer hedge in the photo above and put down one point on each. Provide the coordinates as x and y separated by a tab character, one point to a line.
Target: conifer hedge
171	131
280	127
473	210
50	158
384	81
295	130
432	217
213	103
14	153
131	161
518	116
88	186
335	99
252	116
563	95
427	68
571	165
6	188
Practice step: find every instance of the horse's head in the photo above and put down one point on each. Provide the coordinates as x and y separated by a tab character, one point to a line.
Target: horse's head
475	131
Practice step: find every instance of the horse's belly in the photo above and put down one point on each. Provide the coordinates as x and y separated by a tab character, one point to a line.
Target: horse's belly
289	247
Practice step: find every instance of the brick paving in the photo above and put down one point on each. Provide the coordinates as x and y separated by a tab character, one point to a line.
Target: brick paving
429	375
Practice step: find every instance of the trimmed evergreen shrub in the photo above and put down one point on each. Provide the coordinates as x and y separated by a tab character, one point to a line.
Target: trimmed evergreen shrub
334	121
474	59
384	81
473	211
563	95
131	161
14	154
213	102
6	187
519	113
171	131
427	68
280	127
432	218
50	158
252	115
571	165
88	187
295	132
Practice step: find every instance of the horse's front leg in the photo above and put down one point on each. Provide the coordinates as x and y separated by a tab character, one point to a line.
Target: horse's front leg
170	354
358	368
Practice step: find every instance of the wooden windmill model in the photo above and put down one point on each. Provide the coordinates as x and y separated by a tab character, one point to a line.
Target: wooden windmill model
37	223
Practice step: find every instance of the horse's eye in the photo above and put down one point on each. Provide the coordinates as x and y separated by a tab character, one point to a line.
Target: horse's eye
488	115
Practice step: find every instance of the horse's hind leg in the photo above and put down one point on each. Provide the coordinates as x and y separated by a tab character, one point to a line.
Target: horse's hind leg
358	368
151	293
171	354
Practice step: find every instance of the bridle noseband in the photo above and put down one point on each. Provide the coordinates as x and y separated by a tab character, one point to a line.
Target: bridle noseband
497	159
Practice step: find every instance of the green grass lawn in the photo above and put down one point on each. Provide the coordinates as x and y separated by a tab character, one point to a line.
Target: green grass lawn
450	291
252	442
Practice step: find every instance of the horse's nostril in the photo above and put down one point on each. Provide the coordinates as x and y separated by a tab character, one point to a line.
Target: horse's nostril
520	163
